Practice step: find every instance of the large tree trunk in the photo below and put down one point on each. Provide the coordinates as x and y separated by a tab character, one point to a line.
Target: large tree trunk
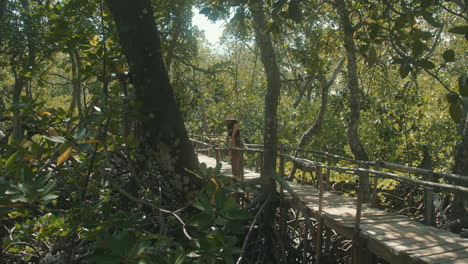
163	128
354	94
270	135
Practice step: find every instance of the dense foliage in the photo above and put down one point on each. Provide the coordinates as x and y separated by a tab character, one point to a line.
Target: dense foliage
77	181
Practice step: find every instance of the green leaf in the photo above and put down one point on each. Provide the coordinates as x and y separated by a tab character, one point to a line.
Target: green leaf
449	55
180	259
49	197
372	59
460	30
201	220
79	135
11	160
431	20
455	111
237	214
463	85
452	98
418	48
426	64
220	198
405	69
56	139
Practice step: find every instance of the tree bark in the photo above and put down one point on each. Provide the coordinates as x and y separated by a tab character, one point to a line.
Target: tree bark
270	134
354	94
162	125
76	82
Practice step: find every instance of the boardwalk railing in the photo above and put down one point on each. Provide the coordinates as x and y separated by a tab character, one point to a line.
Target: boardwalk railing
211	144
322	171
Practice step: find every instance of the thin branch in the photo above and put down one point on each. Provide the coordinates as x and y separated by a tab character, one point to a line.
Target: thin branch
181	60
152	205
17	244
244	246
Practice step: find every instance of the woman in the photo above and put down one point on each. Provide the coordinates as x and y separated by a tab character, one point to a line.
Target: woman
234	141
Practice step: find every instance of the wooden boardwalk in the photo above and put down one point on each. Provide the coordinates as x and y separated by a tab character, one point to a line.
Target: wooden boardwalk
395	238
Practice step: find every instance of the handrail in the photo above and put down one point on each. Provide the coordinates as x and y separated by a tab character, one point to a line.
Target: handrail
381	164
380	174
304	163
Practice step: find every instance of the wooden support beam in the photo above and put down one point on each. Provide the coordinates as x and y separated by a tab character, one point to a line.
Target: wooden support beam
319	175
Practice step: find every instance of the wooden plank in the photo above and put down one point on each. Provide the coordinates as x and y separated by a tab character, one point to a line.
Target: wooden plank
416	236
436	249
443	257
456	261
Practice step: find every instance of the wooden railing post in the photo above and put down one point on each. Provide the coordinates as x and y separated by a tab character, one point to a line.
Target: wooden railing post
260	162
374	200
428	202
319	175
283	209
358	255
218	156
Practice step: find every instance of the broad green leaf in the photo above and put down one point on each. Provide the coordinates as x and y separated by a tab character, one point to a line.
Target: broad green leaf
455	111
431	20
426	64
79	135
201	220
220	199
449	55
56	139
11	160
452	98
49	197
372	59
180	259
463	85
237	214
418	48
405	69
460	30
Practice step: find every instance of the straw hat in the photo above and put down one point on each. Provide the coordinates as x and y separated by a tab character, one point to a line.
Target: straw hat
230	117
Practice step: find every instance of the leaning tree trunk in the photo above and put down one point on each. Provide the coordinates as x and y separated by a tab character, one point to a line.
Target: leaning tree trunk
354	94
270	135
162	127
317	125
